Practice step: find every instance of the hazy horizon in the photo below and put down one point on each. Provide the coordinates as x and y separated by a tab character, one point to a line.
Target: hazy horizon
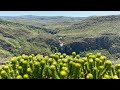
59	13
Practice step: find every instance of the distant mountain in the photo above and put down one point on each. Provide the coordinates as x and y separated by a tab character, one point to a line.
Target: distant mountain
52	18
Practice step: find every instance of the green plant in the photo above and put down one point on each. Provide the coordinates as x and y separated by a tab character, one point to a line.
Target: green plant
60	66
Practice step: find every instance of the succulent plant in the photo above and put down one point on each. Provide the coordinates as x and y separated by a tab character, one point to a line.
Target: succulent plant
60	66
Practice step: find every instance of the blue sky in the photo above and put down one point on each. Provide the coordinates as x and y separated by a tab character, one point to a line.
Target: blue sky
59	13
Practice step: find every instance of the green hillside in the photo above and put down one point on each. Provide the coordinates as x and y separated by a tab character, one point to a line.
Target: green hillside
16	38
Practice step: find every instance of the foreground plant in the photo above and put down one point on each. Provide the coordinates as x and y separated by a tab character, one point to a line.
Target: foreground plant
60	66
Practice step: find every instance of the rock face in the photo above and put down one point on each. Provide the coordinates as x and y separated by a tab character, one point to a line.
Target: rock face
6	46
114	50
88	44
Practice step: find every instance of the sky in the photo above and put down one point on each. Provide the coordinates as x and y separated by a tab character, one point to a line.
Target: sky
60	13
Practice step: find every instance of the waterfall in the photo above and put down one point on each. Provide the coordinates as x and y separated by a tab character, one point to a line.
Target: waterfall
61	41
